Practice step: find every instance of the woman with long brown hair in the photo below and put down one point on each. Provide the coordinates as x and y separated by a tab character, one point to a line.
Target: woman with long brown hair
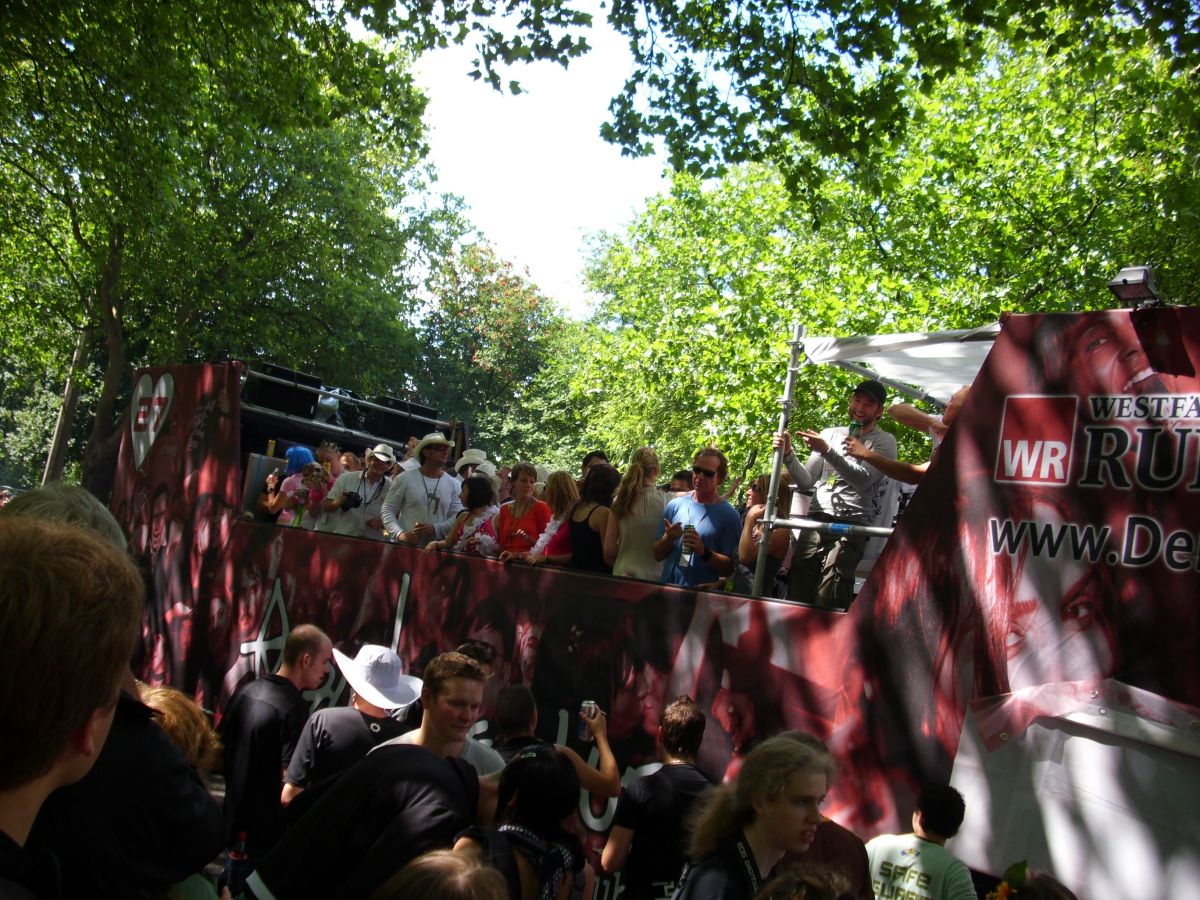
589	518
634	519
472	531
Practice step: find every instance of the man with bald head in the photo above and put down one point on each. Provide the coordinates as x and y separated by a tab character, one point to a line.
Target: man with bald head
260	729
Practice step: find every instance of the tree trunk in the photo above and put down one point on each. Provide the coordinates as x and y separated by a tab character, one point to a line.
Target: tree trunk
100	456
66	413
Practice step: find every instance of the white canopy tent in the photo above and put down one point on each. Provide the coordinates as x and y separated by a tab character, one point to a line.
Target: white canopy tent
928	367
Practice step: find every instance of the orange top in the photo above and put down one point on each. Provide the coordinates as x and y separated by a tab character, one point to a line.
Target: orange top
519	535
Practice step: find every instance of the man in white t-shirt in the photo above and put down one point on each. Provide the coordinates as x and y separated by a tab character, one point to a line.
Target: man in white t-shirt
452	697
917	864
421	503
353	506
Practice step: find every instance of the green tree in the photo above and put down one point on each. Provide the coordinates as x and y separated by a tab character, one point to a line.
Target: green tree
724	82
1022	185
484	337
184	180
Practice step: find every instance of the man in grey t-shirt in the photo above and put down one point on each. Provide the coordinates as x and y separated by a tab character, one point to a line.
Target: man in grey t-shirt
451	697
846	489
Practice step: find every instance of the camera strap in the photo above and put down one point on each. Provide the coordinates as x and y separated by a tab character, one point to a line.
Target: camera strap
362	482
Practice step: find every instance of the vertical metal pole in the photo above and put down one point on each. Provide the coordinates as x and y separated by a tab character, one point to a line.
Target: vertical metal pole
785	403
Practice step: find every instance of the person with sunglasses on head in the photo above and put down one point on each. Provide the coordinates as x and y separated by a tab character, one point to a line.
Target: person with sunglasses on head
699	534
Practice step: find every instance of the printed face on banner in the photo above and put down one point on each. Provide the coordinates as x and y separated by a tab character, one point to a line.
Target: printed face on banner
1106	356
1060	626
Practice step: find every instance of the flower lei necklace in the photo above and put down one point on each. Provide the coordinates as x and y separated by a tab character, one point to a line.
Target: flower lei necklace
485	544
543	540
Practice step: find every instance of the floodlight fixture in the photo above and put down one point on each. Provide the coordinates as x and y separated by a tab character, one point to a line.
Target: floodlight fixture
1135	284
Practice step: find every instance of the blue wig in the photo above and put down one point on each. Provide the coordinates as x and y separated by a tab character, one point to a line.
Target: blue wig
297	458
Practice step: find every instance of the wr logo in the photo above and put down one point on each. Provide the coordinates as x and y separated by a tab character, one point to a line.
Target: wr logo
1036	437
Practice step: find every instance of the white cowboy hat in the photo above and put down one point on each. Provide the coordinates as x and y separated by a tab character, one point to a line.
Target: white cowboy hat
382	451
376	674
471	457
435	437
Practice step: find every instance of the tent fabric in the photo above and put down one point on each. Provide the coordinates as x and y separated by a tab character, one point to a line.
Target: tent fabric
933	365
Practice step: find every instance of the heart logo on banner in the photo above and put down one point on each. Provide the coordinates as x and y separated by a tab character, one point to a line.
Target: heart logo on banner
148	412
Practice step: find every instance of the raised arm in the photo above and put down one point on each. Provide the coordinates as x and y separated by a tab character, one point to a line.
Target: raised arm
907	414
616	850
604	780
666	539
892	468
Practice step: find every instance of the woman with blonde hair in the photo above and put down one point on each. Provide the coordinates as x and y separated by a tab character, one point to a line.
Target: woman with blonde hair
444	875
742	829
554	543
186	724
634	519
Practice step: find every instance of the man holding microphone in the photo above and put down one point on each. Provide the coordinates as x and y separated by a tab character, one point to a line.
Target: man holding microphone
845	489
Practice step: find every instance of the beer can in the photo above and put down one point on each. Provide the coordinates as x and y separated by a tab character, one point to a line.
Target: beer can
686	554
588	709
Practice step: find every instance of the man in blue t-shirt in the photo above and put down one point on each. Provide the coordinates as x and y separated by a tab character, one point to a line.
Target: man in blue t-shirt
712	538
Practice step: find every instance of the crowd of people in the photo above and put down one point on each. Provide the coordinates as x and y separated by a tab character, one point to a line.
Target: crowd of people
103	786
684	531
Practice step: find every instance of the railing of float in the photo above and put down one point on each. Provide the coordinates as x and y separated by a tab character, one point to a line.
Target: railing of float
770	521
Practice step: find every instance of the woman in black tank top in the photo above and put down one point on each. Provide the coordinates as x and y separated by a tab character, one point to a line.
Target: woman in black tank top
589	518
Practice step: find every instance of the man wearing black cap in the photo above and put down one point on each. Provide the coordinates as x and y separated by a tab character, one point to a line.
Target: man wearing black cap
845	490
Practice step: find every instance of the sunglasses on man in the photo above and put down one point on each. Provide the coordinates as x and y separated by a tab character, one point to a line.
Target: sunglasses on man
700	470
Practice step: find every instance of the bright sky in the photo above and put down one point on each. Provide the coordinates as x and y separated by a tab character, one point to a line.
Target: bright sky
532	167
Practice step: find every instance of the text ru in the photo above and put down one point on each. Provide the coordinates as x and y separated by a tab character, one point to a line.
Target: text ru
1160	463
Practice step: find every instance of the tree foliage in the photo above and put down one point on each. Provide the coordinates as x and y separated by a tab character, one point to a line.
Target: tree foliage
724	82
1023	185
484	337
187	181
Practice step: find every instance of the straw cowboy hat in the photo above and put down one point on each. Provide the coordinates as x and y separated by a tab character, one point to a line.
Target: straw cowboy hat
488	471
435	437
382	451
471	457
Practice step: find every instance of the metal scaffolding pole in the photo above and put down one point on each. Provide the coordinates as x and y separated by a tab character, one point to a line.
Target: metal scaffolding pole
769	520
785	403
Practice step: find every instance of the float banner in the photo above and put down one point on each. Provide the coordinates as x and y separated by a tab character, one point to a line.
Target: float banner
756	668
1051	551
1029	632
176	493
